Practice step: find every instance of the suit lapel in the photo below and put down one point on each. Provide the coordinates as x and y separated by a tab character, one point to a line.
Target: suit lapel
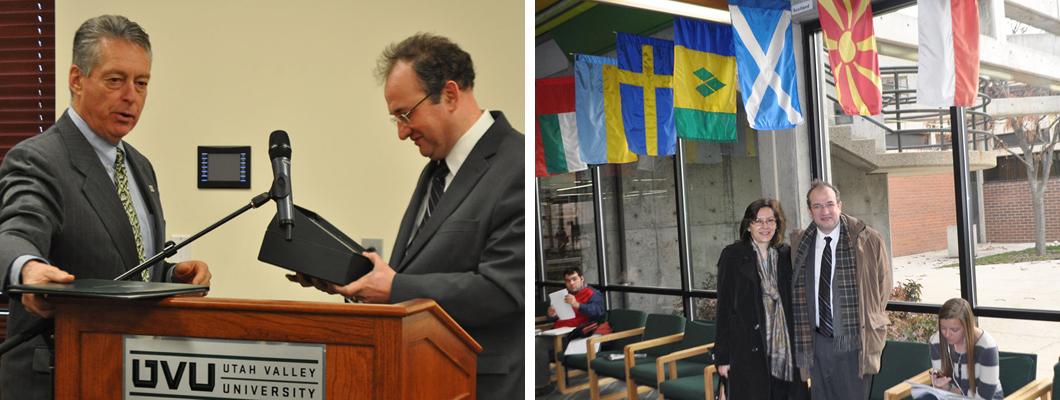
409	220
100	192
464	182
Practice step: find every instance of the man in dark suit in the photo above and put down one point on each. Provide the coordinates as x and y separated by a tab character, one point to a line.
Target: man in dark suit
79	201
461	240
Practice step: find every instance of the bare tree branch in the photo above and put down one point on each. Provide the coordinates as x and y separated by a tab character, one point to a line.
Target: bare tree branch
1052	125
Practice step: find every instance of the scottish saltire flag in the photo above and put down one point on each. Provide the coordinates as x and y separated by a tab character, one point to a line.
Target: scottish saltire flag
704	80
645	76
557	131
766	63
600	144
851	43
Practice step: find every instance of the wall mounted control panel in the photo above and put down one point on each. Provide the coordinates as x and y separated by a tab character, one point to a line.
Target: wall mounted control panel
223	167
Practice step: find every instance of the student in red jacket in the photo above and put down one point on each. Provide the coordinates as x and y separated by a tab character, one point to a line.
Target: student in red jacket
588	306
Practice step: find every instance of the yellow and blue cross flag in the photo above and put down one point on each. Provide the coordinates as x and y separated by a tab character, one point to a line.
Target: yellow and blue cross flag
645	76
704	80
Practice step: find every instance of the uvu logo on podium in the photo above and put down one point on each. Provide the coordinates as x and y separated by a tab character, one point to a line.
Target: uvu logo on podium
221	369
173	376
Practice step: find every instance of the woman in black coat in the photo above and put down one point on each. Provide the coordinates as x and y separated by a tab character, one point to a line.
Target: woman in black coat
754	346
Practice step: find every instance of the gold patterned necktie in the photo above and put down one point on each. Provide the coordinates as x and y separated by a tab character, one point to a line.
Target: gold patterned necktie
122	180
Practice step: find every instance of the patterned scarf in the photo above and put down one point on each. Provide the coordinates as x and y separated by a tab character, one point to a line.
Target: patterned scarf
844	296
778	345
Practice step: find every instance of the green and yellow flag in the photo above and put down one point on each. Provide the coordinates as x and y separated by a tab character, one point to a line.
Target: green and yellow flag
704	80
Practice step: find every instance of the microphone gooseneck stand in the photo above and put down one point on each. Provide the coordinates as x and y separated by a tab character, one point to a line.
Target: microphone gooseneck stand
42	325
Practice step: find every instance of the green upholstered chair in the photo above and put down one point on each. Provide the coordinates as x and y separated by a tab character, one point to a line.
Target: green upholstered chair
541	316
660	332
691	387
1041	389
683	374
620	320
698	334
1017	370
900	360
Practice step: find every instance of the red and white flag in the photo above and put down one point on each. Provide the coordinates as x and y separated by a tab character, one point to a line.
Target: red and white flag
949	53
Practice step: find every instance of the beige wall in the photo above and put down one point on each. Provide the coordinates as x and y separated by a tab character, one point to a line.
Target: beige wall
229	72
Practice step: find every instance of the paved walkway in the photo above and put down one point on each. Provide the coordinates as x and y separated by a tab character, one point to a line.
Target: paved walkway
1033	285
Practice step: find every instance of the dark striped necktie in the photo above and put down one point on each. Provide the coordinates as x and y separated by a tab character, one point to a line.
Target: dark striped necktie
436	190
824	290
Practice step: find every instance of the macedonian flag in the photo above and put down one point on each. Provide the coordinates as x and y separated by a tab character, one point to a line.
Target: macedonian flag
851	44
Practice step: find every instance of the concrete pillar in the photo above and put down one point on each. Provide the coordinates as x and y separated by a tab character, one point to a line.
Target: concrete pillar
784	156
784	165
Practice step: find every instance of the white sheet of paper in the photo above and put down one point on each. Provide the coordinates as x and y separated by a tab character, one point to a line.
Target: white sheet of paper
563	310
557	331
579	346
922	391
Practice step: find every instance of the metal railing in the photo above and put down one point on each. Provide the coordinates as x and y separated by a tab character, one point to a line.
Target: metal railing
899	108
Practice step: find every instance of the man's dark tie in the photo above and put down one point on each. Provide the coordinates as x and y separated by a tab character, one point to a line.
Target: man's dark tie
437	188
824	290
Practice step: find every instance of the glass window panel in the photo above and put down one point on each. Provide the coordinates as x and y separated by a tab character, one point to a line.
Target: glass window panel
911	327
705	309
1007	211
894	171
1022	336
649	303
640	211
567	225
615	243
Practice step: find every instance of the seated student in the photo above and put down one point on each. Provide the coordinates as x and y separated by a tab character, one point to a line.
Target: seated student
964	358
588	305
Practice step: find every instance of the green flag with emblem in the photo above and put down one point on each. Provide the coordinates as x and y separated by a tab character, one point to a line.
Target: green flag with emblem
704	81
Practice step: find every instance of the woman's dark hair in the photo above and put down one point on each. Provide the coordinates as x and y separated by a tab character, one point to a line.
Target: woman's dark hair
752	213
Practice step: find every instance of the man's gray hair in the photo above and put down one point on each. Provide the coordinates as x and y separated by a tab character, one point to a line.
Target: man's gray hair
88	36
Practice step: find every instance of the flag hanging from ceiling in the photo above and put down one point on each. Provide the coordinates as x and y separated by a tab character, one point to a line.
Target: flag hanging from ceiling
557	130
617	145
766	62
851	44
645	76
704	80
600	142
948	62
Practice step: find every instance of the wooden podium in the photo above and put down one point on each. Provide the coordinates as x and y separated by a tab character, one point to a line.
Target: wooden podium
408	350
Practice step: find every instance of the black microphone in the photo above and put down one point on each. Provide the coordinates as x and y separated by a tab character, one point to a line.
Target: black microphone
280	152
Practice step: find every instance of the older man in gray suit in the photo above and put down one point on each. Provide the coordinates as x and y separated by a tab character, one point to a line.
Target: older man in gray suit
79	201
461	239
